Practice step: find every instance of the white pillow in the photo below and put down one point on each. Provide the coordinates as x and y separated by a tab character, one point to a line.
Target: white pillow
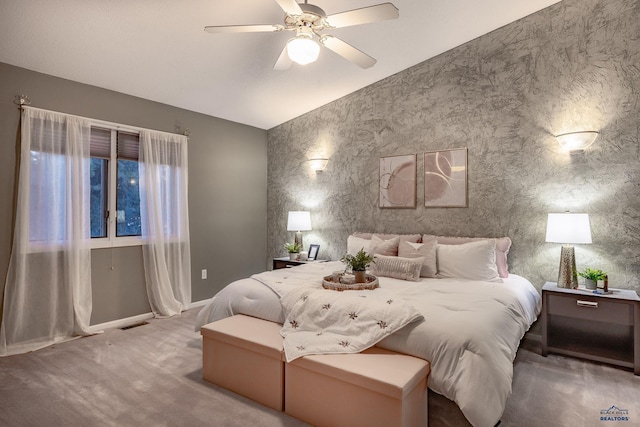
502	248
396	267
354	244
425	250
474	261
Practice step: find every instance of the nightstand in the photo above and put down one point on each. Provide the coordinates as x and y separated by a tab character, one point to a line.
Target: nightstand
285	262
602	328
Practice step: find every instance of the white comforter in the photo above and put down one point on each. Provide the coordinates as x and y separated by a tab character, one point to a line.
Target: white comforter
470	331
323	322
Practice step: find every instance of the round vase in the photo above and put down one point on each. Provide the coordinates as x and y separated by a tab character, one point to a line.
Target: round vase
361	276
590	284
294	256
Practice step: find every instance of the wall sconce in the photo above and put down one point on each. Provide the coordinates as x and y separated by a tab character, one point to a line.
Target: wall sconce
576	142
568	228
318	165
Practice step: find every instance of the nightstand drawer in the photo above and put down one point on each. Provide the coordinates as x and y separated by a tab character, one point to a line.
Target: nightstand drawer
590	308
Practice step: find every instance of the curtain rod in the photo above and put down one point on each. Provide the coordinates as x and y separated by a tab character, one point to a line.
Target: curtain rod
118	126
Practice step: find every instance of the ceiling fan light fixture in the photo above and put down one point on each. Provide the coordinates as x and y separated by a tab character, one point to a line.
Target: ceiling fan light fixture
303	49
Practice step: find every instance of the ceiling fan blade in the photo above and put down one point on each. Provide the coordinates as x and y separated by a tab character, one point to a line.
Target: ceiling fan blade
365	15
283	62
266	28
290	7
347	51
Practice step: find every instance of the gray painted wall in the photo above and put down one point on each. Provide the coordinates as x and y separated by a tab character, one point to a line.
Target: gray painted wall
573	66
227	188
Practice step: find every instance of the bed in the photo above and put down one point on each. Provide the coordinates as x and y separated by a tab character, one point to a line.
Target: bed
469	329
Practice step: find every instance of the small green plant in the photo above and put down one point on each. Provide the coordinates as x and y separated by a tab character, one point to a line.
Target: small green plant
292	248
593	274
359	261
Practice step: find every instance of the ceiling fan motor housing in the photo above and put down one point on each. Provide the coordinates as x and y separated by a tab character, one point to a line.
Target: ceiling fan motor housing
312	16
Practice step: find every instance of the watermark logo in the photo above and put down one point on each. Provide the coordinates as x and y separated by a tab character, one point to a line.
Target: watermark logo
614	414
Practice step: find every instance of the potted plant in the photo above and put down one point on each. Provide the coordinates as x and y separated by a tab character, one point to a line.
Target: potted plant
591	277
358	263
293	249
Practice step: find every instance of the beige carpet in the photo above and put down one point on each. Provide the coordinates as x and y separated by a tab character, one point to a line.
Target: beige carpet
151	376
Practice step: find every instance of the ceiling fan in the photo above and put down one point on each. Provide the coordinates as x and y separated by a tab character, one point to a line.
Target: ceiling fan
308	21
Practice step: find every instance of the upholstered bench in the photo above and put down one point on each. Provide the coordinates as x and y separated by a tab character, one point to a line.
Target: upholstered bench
373	388
244	354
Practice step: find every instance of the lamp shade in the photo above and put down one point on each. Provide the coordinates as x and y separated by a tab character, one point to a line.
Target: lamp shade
299	221
568	228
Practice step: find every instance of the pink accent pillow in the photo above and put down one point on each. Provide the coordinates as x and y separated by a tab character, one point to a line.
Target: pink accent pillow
502	248
426	250
387	247
414	238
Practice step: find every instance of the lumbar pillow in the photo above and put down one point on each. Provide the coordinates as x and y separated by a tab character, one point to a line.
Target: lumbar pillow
425	250
473	260
397	268
387	247
354	244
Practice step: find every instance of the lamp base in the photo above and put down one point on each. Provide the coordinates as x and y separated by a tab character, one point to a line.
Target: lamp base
298	239
568	275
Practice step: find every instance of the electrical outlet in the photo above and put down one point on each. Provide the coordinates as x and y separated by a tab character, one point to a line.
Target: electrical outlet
204	274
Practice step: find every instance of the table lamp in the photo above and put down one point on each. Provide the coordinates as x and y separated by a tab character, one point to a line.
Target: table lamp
299	221
568	228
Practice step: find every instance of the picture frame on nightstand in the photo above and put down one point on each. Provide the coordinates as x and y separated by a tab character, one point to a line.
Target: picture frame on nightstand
313	252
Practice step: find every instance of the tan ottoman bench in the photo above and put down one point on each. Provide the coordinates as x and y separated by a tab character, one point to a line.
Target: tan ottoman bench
373	388
244	354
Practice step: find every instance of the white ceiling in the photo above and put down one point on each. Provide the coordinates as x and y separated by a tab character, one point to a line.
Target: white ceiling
158	50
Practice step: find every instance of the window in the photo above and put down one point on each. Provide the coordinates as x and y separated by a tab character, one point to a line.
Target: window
115	193
44	195
48	184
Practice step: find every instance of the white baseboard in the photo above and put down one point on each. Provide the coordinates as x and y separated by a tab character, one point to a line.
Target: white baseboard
120	323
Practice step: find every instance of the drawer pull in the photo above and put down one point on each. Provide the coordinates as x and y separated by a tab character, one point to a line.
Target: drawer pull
591	304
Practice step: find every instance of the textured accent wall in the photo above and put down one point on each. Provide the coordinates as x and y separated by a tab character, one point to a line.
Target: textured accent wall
572	66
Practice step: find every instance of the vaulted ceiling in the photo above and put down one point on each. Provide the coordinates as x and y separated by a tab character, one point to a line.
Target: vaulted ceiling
158	49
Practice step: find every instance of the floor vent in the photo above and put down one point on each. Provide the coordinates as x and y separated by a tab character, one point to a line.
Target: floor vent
135	325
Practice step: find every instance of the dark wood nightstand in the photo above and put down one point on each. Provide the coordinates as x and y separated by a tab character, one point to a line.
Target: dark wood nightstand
285	262
603	328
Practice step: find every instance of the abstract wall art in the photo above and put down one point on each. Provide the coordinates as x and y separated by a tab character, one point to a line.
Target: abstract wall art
445	179
398	181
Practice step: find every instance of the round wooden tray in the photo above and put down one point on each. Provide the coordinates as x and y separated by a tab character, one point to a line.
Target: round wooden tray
329	282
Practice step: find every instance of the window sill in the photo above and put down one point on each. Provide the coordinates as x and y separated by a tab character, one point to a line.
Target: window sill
120	242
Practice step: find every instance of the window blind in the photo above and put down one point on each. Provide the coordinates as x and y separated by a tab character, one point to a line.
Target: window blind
100	143
128	145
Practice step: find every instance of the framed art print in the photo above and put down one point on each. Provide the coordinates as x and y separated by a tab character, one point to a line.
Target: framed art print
398	181
313	252
445	179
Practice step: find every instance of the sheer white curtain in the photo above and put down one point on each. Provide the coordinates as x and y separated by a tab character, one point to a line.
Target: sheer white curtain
47	296
165	221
